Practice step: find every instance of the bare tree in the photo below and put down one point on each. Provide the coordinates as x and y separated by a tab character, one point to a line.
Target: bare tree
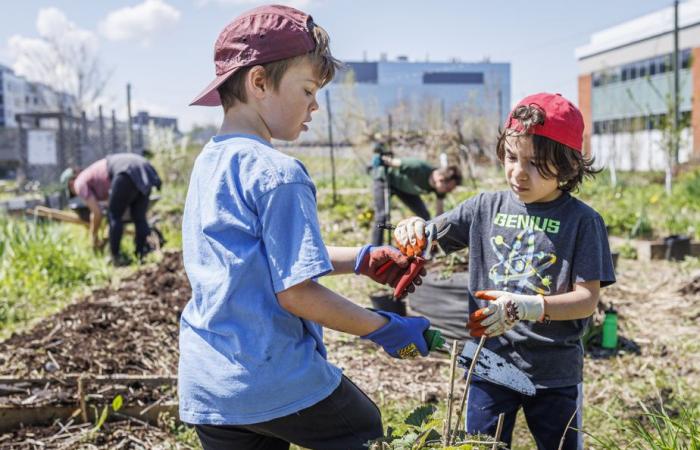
63	58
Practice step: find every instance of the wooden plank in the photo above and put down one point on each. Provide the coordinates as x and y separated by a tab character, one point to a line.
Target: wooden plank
57	214
149	380
12	418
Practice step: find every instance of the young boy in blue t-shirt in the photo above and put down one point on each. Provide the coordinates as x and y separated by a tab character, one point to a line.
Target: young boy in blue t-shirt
539	257
253	371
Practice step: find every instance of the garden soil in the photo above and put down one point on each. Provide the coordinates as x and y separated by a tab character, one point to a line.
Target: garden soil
132	329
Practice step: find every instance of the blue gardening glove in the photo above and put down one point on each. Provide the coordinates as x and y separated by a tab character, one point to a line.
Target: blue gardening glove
371	261
402	337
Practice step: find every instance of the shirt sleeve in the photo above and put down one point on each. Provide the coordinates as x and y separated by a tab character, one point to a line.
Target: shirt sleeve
291	235
592	259
82	189
454	226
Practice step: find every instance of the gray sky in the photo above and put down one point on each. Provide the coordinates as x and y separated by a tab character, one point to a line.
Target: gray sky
164	47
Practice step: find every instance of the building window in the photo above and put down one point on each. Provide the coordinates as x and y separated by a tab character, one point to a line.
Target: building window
642	71
686	58
364	72
453	78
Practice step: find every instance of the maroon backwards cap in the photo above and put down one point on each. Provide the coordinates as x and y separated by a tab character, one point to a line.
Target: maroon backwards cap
261	35
563	121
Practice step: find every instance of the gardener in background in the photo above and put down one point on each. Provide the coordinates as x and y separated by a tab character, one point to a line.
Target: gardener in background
541	256
409	178
124	180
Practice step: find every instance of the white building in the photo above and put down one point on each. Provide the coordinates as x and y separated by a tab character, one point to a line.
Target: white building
12	96
626	86
17	95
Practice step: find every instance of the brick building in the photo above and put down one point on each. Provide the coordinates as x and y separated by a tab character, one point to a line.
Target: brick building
625	87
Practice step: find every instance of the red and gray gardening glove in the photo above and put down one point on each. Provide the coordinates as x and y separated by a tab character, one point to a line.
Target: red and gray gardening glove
386	265
411	235
504	312
401	337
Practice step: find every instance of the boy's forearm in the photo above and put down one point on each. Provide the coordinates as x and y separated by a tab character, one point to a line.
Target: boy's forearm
317	303
577	304
343	259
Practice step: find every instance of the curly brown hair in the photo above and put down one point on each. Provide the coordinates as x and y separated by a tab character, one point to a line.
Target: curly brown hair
325	65
552	159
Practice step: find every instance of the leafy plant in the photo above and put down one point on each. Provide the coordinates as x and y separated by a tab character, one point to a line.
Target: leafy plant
421	430
117	403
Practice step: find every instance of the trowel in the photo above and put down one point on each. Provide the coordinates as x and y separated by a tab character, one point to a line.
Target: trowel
490	366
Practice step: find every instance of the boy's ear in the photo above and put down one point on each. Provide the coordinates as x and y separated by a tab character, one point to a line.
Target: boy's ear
256	80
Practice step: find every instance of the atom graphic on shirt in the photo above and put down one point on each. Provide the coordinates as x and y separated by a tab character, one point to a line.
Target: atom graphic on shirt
520	267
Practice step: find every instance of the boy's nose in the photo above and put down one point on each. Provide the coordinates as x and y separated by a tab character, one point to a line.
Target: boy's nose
520	171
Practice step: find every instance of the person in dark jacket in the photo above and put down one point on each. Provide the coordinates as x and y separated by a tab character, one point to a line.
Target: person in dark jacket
408	179
124	180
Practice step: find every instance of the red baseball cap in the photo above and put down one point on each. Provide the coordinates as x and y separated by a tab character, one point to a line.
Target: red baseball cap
261	35
563	121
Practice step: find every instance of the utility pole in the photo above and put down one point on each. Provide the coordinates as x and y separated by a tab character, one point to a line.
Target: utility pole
676	88
330	141
129	141
675	132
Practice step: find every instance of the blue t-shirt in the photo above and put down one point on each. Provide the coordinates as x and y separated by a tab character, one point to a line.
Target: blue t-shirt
249	230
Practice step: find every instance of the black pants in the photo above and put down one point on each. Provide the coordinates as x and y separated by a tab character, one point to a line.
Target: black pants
124	194
414	203
345	420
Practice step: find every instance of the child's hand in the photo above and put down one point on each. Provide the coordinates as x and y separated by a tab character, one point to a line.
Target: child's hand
505	311
410	235
371	262
402	337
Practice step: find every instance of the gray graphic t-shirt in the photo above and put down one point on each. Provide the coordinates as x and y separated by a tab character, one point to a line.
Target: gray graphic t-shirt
537	248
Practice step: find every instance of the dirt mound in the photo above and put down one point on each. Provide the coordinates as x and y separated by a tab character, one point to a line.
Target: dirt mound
121	435
114	330
130	329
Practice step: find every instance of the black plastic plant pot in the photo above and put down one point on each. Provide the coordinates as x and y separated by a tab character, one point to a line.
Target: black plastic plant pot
386	302
677	247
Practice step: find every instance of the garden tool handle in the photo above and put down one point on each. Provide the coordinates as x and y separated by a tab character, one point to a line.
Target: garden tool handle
384	267
434	339
407	278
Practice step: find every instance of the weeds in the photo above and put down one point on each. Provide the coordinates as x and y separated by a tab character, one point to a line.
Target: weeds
41	265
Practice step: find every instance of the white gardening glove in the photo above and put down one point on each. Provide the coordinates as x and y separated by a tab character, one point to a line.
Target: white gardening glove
411	235
504	312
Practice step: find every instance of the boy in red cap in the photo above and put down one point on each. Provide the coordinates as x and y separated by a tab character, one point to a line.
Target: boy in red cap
253	371
539	258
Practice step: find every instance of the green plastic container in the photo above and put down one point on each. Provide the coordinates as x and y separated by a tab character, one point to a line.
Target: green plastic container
610	329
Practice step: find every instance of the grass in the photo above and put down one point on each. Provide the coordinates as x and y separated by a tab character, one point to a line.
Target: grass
42	266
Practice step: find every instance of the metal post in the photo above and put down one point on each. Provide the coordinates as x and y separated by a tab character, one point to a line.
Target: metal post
330	142
84	138
102	130
387	186
389	137
676	94
115	144
129	142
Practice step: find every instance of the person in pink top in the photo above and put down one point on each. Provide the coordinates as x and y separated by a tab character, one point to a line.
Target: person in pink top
124	180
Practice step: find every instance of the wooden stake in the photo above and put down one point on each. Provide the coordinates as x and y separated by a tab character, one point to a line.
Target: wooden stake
465	396
453	366
81	399
499	429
